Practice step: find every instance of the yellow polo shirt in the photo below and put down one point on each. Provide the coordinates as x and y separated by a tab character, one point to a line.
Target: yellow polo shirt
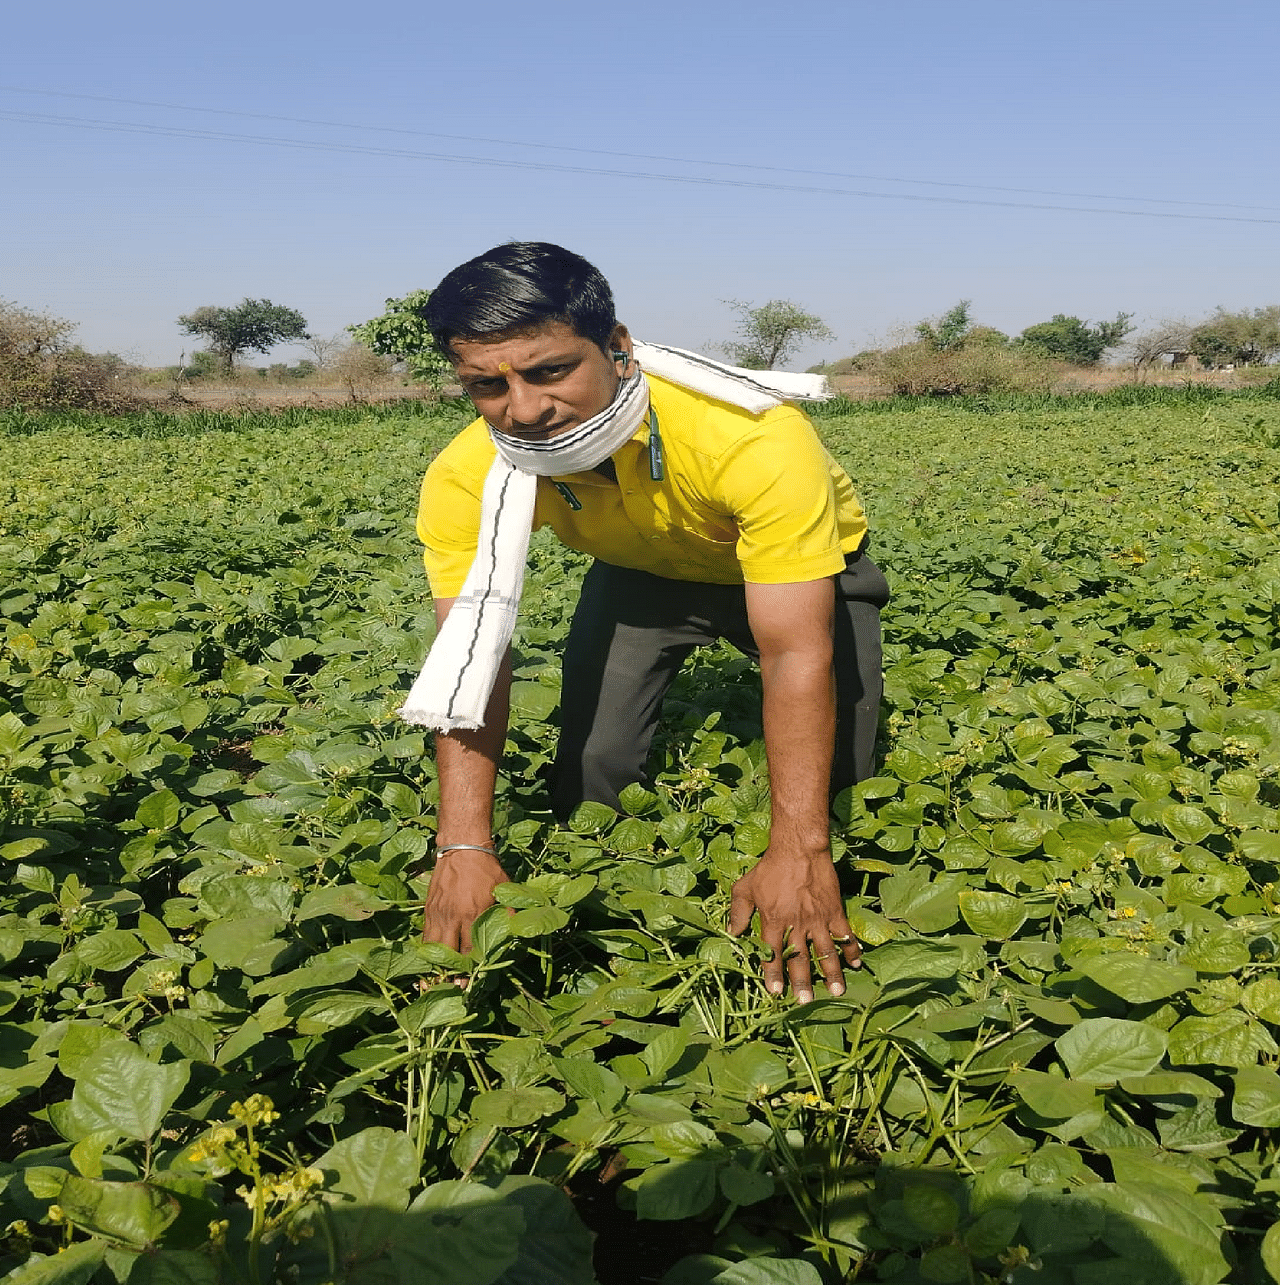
744	498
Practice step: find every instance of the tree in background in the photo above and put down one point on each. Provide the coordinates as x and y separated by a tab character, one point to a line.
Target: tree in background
253	325
771	333
1070	339
402	333
1245	338
325	349
1162	340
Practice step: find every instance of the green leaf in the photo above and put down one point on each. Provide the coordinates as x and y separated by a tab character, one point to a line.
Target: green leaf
1176	1231
675	1189
751	1071
1187	823
247	943
533	701
456	1233
744	1186
931	1210
538	921
929	903
332	1009
134	1213
174	1267
1232	1038
110	950
235	896
768	1271
589	818
1103	1049
556	1248
1136	979
992	1232
588	1079
683	1139
440	1006
1259	845
73	1266
992	914
1061	1224
1053	1097
913	961
350	901
1271	1251
1218	952
1256	1100
119	1088
1196	1128
376	1166
1262	998
945	1263
159	811
515	1108
1170	1084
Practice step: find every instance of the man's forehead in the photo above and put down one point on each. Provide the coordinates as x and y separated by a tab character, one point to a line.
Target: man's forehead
553	331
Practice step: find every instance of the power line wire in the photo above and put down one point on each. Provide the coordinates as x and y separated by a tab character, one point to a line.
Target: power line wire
639	156
166	131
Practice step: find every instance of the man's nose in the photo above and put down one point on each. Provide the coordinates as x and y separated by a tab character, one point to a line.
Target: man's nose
527	404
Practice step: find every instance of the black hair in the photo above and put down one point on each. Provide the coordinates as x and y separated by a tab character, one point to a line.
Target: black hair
519	286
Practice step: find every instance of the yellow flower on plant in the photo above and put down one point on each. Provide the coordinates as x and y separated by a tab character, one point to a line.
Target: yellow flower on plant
257	1109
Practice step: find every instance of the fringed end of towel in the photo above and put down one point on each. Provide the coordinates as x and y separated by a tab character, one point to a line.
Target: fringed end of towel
420	717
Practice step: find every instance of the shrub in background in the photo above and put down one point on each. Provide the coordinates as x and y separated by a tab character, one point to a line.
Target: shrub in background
921	370
361	369
40	368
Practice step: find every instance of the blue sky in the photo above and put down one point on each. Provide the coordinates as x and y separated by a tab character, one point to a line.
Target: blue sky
873	162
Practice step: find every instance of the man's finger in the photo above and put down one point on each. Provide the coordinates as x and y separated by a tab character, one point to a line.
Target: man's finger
850	947
801	979
439	930
741	907
772	967
832	973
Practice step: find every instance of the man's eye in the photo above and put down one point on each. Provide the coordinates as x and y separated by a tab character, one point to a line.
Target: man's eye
485	385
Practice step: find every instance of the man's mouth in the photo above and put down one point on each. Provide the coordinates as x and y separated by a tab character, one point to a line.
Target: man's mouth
540	434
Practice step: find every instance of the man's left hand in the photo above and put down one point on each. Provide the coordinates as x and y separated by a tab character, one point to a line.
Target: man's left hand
798	897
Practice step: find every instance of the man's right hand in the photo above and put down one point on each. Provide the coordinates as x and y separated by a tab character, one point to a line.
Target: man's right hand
462	885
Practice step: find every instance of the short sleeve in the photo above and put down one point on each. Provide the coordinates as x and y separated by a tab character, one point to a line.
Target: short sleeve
777	483
448	526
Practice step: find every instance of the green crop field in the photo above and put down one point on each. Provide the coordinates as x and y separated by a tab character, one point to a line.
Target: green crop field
227	1058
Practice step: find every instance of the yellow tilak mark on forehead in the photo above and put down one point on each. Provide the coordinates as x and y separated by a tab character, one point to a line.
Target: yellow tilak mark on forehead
504	366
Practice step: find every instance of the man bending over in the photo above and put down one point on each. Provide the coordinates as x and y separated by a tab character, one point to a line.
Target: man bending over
711	510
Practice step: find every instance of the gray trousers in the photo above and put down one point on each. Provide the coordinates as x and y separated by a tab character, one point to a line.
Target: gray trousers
632	631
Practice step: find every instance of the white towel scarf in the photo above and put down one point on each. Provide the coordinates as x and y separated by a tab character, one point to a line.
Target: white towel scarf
452	691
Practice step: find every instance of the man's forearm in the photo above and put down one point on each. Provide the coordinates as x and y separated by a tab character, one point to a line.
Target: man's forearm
463	880
799	738
467	764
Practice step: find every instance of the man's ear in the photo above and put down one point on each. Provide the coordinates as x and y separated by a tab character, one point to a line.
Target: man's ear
620	349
